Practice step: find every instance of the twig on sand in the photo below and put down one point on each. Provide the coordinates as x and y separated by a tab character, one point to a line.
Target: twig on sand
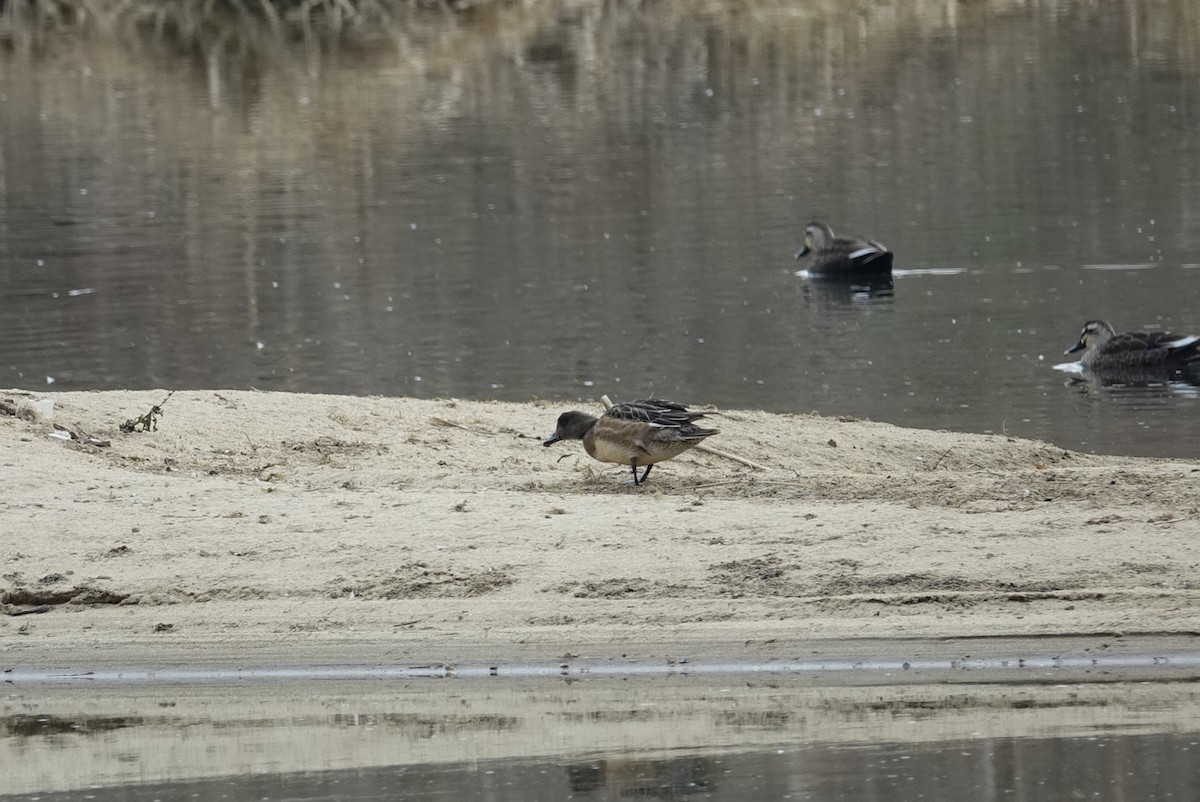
1169	521
941	457
607	402
719	453
454	425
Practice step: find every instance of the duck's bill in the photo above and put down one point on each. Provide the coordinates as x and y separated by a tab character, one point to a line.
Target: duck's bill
804	249
552	439
1079	346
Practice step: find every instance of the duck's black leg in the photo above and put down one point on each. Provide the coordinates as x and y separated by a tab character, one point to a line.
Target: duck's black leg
647	473
633	464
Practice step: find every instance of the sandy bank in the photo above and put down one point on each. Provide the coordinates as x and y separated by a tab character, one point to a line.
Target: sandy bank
280	527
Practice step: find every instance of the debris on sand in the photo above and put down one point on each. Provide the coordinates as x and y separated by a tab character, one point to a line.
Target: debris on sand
149	421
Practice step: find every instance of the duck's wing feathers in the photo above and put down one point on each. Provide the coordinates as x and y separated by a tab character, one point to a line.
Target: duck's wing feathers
861	251
674	421
1148	341
854	247
1174	342
1127	342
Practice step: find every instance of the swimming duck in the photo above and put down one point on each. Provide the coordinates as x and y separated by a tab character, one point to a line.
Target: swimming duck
634	433
1103	348
833	256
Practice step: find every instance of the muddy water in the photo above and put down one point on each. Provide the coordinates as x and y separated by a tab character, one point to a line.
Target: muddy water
772	737
539	202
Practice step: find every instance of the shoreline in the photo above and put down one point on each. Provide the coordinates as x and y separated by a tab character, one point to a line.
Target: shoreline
1081	659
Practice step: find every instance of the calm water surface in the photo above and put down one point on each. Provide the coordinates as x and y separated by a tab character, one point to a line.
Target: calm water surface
563	204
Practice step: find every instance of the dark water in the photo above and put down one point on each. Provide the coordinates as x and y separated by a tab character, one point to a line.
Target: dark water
606	200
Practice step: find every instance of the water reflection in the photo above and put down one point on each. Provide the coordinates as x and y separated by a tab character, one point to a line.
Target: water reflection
604	738
1102	766
1182	382
867	291
647	779
525	202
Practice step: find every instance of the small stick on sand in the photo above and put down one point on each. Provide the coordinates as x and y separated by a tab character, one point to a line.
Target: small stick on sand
607	402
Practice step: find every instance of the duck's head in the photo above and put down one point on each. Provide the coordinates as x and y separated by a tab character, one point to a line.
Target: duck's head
816	235
572	425
1095	332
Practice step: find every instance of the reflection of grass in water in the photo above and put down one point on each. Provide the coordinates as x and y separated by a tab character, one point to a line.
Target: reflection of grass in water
225	25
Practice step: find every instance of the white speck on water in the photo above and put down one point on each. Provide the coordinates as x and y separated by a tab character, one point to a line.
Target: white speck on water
152	214
275	284
754	82
412	226
49	380
388	309
416	378
700	339
83	191
709	92
40	263
87	72
337	285
82	291
54	295
818	111
589	384
260	345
